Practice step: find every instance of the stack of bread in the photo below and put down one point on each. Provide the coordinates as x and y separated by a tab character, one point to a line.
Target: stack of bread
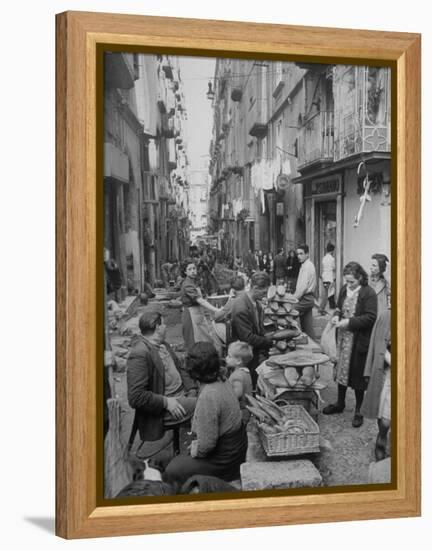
294	369
281	320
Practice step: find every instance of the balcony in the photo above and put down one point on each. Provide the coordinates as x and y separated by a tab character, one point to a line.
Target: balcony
167	126
362	111
257	118
167	68
119	70
116	164
236	93
316	140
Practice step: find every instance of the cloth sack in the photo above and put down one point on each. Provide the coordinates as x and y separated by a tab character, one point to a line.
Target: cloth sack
328	341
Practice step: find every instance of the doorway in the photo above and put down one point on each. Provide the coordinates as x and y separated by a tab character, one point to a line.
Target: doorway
325	230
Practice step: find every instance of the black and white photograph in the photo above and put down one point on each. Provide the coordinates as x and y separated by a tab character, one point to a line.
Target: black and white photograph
247	275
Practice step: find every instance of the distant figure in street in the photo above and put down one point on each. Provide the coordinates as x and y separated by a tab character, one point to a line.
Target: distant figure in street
280	267
220	440
354	317
175	271
265	263
113	276
247	320
328	277
305	290
257	260
166	273
195	325
270	269
250	263
379	282
159	391
292	270
261	265
205	276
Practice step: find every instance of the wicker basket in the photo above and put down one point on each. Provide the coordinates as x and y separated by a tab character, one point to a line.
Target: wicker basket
289	444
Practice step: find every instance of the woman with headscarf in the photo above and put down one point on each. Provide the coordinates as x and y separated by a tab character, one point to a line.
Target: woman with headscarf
379	282
354	317
220	440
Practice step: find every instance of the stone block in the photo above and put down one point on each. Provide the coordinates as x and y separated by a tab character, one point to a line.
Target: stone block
287	474
380	472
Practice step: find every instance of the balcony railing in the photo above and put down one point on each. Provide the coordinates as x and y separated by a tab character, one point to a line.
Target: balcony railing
362	107
316	140
258	118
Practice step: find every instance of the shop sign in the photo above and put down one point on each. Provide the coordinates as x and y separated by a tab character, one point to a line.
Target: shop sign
324	187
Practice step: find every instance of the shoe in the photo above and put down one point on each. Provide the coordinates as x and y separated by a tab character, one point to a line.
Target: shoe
333	408
380	448
357	420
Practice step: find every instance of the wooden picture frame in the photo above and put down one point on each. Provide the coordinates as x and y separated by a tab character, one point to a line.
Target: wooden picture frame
79	318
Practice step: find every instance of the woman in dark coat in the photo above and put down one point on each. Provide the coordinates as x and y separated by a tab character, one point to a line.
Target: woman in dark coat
355	317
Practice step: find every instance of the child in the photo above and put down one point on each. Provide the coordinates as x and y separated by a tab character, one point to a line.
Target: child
239	355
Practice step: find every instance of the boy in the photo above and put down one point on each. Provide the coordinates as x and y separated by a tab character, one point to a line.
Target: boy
238	356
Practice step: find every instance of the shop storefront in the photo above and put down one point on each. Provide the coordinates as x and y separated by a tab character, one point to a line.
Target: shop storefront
324	215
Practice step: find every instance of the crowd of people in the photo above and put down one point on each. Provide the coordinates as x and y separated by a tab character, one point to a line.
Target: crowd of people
209	388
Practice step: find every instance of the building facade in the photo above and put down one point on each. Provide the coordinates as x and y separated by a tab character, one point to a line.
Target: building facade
296	150
145	166
198	202
254	203
345	162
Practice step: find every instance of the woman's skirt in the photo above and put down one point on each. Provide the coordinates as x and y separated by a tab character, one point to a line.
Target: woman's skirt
345	345
384	410
223	462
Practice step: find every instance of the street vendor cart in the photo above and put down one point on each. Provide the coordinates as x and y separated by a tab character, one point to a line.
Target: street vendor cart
293	377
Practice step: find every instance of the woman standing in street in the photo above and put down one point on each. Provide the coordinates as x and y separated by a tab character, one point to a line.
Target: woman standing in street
195	325
220	443
377	402
354	317
379	282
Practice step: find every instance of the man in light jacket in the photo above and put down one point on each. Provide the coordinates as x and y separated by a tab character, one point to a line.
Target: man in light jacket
305	290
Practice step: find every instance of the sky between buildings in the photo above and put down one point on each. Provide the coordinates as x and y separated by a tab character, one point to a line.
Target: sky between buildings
196	72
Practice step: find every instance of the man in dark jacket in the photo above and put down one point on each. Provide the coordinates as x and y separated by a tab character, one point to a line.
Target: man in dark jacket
247	320
159	391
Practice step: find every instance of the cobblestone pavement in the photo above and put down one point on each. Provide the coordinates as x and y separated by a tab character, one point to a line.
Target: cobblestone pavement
346	452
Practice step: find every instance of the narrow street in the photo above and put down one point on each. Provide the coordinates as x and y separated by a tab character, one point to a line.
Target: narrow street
345	452
239	167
